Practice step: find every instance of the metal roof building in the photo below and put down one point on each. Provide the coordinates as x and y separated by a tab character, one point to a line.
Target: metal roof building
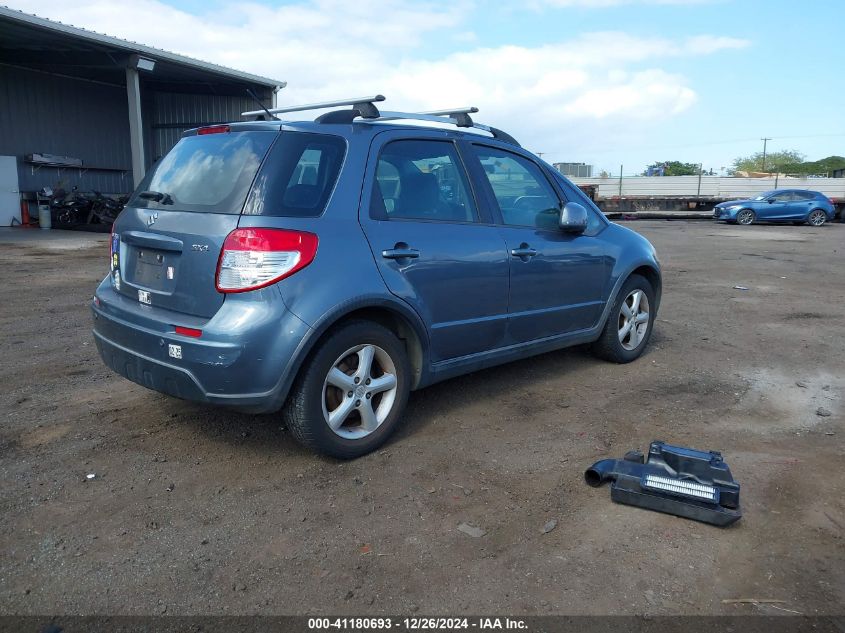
78	108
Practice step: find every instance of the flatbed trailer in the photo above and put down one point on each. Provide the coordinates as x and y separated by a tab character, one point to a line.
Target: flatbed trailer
694	193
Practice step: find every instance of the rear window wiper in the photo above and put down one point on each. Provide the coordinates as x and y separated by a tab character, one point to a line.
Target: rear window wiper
156	196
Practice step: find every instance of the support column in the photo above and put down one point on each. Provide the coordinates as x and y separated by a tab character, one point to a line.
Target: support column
136	128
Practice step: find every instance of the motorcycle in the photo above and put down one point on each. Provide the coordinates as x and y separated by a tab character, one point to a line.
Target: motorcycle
103	209
69	210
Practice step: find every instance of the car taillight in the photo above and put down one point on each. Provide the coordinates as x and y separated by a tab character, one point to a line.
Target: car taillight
255	258
213	129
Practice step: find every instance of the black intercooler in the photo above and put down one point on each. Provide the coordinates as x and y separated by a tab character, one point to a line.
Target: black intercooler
693	484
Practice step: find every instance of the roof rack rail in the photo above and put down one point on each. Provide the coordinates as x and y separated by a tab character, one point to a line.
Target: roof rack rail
454	116
362	106
461	115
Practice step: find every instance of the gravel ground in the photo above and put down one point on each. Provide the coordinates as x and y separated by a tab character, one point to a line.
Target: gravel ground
198	510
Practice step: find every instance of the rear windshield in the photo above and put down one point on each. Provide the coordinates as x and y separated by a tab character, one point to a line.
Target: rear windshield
298	176
211	173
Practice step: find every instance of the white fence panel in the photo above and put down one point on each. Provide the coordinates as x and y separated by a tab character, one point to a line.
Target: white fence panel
723	188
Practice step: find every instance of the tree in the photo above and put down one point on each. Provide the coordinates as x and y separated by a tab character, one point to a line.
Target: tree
673	168
822	166
775	161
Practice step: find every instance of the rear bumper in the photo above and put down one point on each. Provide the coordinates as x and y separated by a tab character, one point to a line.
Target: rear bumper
150	373
243	359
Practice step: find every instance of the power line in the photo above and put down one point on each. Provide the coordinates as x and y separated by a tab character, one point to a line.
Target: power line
709	143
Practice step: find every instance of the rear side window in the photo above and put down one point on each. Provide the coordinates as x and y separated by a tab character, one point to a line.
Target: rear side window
298	176
211	173
421	180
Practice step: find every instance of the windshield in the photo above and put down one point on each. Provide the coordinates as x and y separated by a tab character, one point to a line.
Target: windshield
766	194
209	173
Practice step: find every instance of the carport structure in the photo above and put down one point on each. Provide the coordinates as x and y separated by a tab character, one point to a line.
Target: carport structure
78	108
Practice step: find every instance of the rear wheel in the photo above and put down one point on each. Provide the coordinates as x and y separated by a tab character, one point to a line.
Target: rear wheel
628	328
351	395
745	217
817	217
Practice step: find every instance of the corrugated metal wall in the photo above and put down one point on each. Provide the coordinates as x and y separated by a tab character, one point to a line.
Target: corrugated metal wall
46	113
167	115
41	113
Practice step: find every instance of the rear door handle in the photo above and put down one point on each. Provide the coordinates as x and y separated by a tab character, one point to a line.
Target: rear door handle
401	253
524	251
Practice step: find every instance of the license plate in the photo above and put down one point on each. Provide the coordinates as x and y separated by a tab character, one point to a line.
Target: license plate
144	297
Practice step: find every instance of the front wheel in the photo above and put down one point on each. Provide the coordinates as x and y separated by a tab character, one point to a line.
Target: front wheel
628	328
350	395
817	217
745	217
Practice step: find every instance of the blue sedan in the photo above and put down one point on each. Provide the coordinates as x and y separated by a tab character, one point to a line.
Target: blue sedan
779	205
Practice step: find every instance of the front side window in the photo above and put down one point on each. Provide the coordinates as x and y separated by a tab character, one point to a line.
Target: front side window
422	180
525	196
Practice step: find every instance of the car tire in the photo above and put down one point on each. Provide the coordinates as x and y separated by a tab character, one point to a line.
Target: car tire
317	399
816	217
745	217
617	346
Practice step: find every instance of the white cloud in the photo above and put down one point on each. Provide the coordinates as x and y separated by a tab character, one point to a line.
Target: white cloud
554	97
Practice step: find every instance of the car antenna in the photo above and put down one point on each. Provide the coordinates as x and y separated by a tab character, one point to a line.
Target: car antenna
263	107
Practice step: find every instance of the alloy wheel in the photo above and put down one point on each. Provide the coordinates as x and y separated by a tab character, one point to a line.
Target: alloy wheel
633	320
359	391
746	216
817	218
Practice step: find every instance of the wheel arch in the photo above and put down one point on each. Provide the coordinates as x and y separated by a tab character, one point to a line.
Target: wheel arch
646	268
652	275
397	323
400	320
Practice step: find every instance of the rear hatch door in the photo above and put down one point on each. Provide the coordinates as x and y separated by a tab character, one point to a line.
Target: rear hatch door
169	236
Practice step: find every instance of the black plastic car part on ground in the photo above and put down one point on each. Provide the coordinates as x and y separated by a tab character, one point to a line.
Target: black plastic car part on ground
685	482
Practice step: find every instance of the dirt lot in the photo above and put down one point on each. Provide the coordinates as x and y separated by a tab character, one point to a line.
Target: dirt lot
196	510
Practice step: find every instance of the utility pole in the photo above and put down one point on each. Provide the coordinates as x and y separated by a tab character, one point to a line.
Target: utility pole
765	140
698	193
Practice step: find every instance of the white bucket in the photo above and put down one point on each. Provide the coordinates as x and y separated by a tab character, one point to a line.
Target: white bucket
44	219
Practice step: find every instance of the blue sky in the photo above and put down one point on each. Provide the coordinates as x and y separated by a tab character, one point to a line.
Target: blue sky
607	82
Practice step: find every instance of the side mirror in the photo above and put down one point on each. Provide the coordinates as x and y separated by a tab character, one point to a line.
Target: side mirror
771	200
573	218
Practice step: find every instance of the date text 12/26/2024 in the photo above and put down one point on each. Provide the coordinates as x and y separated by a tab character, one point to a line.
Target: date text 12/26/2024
417	624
